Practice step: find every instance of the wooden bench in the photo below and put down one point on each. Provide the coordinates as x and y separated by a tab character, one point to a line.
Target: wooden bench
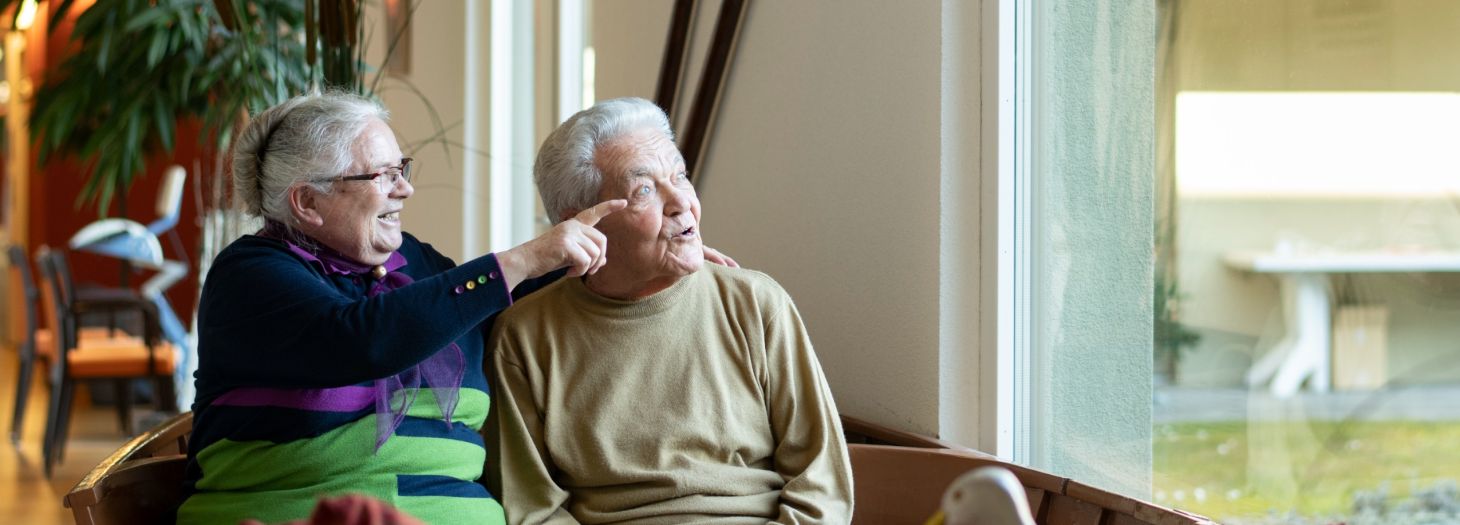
899	476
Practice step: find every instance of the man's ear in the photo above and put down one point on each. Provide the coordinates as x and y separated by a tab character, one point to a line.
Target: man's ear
569	213
304	206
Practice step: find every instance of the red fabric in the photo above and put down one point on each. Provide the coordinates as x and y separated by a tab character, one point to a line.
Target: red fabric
353	509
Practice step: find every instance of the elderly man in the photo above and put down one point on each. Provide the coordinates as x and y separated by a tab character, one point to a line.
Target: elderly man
658	389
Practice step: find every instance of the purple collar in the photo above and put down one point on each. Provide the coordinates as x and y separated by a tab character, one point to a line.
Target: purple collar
332	262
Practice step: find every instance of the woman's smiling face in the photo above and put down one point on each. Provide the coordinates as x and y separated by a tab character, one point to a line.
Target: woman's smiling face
360	221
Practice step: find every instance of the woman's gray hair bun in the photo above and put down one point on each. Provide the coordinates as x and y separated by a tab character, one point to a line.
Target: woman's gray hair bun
302	139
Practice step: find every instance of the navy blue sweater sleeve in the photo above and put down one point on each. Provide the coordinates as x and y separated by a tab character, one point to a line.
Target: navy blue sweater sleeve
268	318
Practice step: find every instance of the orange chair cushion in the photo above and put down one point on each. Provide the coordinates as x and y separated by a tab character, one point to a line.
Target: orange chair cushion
45	340
119	358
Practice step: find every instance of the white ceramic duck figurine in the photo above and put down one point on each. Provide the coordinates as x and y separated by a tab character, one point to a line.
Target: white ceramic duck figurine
984	496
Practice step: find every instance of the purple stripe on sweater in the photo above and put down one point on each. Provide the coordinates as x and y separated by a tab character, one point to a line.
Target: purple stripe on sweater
342	399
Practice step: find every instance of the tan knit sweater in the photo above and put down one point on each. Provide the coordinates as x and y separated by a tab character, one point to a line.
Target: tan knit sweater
703	403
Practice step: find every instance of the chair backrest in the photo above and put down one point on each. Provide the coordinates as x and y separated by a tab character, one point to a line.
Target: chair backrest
65	284
59	290
169	199
53	304
858	430
21	265
905	485
142	482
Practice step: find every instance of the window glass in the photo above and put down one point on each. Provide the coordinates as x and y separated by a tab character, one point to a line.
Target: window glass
1307	260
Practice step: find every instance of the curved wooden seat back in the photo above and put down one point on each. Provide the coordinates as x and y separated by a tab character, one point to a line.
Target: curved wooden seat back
140	483
121	359
896	485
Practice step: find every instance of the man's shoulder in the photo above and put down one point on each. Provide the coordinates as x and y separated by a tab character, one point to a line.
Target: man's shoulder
544	299
744	282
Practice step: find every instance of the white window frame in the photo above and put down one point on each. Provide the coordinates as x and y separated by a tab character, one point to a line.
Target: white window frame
1005	408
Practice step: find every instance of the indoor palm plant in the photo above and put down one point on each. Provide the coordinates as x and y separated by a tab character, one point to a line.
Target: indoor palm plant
139	67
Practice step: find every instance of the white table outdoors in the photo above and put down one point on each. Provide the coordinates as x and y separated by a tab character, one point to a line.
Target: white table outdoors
1303	280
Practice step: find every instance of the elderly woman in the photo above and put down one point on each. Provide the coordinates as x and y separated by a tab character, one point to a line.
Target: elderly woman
338	354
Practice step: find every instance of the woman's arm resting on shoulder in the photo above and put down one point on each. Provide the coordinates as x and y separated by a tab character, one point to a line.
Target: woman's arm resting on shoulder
721	259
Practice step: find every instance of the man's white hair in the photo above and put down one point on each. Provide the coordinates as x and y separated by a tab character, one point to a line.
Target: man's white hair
566	176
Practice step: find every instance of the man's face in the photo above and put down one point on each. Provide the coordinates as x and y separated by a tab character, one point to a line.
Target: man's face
657	237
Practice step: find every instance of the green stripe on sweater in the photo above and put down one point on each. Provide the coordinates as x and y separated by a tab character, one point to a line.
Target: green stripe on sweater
280	482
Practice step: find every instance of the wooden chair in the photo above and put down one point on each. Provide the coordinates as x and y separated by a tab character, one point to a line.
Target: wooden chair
141	483
865	432
119	361
896	485
39	344
900	477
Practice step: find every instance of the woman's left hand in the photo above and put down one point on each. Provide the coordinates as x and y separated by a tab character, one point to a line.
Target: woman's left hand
721	259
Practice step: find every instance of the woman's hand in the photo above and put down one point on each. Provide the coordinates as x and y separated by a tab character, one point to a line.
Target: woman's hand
721	259
573	244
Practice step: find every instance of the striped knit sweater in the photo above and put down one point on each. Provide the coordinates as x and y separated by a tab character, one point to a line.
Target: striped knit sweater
285	411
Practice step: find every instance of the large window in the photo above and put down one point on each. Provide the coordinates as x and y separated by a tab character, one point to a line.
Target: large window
1283	230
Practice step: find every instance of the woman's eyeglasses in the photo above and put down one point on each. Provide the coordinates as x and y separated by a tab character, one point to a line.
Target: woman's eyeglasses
387	178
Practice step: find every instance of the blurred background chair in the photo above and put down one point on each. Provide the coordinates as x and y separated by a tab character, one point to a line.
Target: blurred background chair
140	246
37	343
120	360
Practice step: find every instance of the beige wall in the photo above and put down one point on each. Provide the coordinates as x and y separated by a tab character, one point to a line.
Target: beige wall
1311	45
628	38
437	68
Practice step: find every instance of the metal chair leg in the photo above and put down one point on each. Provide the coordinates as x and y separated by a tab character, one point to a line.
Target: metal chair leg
123	390
22	392
165	399
64	433
53	427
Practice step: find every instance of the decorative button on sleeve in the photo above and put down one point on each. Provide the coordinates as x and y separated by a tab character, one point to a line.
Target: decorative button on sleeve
471	284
